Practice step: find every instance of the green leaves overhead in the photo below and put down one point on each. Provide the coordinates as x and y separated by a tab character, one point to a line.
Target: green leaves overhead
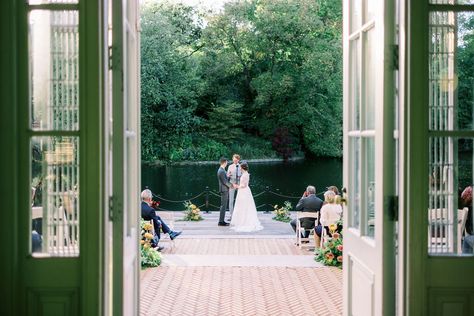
210	80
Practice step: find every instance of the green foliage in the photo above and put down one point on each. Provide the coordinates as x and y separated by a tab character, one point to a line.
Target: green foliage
212	83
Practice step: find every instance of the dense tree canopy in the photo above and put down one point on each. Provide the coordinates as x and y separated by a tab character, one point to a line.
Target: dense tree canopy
261	77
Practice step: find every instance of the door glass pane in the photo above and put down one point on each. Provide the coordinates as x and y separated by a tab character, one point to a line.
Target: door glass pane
355	15
370	185
452	1
354	84
54	178
451	71
52	1
369	7
450	196
354	188
369	79
54	70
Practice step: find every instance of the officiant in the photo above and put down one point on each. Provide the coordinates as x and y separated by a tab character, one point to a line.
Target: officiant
233	173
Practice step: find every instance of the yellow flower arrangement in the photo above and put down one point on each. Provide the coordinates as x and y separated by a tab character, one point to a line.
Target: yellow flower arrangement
148	256
192	212
282	214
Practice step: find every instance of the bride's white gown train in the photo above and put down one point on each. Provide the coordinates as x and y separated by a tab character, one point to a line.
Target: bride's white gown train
244	217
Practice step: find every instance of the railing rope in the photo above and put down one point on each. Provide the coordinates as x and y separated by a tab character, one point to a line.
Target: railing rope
207	193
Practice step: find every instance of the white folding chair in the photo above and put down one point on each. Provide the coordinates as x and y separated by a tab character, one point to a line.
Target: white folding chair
301	230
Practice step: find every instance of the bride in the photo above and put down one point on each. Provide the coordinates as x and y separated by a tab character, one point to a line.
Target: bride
244	218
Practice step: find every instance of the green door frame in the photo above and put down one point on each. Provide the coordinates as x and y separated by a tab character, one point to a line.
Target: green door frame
9	292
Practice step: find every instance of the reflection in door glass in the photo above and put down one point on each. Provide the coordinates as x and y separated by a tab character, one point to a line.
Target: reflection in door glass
450	218
451	87
54	178
54	69
451	80
354	188
370	186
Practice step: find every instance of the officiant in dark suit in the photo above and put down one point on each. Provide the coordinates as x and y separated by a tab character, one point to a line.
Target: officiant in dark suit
224	186
309	202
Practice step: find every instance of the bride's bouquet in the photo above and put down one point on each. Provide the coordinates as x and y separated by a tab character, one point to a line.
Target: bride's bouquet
192	212
282	213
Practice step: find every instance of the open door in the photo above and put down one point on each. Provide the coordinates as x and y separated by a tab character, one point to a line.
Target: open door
439	277
124	156
369	157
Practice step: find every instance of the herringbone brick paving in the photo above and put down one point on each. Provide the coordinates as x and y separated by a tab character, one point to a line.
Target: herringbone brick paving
225	246
259	290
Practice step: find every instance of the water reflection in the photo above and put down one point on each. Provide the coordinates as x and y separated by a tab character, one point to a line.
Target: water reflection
290	179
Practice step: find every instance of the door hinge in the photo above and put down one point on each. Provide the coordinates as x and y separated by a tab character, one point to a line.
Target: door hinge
391	204
114	57
111	57
395	56
115	208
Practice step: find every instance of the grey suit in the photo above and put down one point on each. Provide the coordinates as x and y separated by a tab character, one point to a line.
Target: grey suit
224	186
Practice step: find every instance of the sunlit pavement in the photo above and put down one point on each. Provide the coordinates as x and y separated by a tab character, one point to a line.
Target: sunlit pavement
214	271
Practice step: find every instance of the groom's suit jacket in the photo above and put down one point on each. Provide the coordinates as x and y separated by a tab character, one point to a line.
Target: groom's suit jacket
224	183
310	203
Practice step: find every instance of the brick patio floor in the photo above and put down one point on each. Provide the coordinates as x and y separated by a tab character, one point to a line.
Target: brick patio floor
239	275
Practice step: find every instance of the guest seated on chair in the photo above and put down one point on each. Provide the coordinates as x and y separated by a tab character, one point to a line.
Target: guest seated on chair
330	212
149	213
468	244
309	202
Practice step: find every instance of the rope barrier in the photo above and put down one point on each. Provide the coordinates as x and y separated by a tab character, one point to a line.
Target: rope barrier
180	201
208	192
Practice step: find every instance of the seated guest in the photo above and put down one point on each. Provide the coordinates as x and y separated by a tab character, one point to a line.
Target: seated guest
36	241
149	213
309	202
468	244
334	189
330	212
466	201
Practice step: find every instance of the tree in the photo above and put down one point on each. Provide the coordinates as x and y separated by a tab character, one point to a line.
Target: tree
242	73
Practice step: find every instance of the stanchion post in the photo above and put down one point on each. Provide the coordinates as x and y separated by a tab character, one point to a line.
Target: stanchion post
267	189
207	200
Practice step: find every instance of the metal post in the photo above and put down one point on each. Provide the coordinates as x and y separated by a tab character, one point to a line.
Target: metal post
267	189
207	200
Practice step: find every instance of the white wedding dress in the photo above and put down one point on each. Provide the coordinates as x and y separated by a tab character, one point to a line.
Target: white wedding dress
244	218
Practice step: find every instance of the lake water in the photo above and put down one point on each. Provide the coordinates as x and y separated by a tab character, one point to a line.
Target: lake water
182	182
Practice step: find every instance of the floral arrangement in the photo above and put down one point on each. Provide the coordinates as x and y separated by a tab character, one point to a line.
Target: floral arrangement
149	257
330	254
282	213
192	212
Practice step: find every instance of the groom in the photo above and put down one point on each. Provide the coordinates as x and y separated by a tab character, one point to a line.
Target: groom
224	186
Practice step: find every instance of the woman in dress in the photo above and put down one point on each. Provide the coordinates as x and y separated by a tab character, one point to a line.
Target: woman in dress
244	218
330	213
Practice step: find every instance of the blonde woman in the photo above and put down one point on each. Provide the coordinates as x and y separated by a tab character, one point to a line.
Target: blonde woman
330	212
